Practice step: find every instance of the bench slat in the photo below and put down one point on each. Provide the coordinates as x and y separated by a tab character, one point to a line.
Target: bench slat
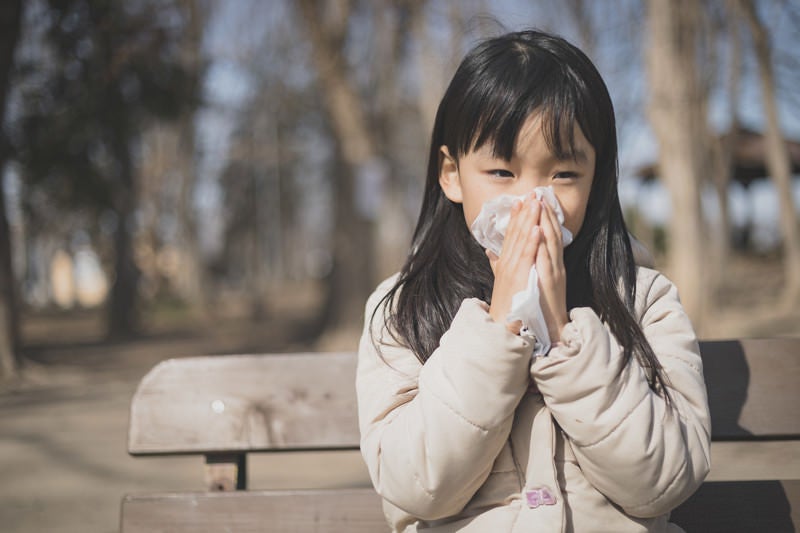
246	402
318	511
753	387
741	507
755	460
307	401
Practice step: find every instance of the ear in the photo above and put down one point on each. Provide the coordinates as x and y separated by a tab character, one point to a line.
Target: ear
449	180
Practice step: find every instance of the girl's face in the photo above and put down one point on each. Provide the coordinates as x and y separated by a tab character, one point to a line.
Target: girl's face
479	176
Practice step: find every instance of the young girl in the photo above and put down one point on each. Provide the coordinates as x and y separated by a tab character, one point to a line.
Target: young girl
463	429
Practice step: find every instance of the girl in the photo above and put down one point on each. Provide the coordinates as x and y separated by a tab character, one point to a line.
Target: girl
461	428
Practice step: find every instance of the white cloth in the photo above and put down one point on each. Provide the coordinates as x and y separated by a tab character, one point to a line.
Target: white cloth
489	229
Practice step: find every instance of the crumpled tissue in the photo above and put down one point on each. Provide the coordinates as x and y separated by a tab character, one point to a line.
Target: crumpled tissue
489	229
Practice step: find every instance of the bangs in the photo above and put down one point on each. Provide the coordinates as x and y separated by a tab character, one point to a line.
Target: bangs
512	88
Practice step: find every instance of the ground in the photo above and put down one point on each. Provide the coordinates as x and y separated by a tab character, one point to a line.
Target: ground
64	422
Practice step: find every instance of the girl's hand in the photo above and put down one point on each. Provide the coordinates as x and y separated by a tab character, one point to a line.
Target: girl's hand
522	240
533	235
552	274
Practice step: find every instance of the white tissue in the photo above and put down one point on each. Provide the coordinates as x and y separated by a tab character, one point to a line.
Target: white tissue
489	229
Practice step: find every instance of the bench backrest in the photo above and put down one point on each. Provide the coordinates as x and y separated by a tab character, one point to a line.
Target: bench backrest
246	403
226	406
306	401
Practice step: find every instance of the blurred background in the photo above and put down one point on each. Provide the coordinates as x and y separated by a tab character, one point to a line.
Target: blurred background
183	177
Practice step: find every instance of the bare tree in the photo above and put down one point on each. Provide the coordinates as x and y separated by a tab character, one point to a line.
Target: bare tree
167	178
724	146
193	285
677	111
352	275
435	68
365	110
580	12
429	67
777	154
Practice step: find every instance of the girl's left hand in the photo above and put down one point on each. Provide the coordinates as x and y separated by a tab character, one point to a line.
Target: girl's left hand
552	274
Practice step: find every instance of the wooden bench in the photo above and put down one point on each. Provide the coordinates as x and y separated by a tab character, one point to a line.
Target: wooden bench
226	407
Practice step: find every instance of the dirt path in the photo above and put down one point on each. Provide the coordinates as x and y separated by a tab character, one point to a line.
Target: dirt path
63	432
63	448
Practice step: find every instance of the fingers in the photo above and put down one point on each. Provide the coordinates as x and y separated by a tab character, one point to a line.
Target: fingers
511	230
533	225
553	237
518	241
512	268
552	276
533	237
492	260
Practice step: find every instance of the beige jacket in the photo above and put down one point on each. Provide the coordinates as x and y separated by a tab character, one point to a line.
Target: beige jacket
466	443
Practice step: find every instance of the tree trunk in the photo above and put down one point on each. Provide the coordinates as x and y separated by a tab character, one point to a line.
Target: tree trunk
194	286
10	21
778	162
722	168
677	114
392	26
352	276
720	150
8	317
724	149
123	317
581	13
430	66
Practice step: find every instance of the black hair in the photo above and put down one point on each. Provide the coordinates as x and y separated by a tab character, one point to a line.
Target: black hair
497	86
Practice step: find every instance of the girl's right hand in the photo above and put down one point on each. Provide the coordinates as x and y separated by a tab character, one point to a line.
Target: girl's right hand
512	268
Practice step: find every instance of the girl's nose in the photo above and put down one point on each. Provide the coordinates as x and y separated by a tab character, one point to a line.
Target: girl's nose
531	181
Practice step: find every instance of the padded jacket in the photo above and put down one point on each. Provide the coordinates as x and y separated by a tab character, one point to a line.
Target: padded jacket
481	438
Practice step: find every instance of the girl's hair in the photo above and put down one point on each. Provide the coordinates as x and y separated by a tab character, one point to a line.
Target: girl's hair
498	85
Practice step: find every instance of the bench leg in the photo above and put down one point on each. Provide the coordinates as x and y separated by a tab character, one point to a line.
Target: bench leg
226	472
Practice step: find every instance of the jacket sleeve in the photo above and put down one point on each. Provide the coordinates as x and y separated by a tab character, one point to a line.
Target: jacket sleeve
430	433
643	453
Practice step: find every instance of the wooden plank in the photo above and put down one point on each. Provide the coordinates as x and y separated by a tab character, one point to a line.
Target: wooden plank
753	387
741	507
755	460
307	401
318	511
247	402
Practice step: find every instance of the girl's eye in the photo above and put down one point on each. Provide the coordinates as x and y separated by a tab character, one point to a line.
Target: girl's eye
566	175
500	173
